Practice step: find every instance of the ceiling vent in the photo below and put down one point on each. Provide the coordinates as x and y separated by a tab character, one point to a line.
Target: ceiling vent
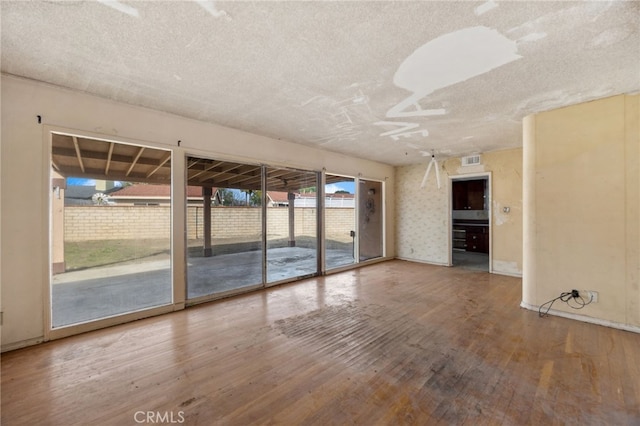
471	160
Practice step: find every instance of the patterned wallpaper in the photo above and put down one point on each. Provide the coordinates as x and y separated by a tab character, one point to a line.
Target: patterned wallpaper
421	215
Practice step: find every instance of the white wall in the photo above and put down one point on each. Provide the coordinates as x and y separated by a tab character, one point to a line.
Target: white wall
24	267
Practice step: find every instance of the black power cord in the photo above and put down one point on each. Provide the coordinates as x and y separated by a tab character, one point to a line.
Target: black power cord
567	297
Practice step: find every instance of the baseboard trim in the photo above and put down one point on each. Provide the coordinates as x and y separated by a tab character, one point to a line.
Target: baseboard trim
422	261
508	274
21	344
496	272
584	318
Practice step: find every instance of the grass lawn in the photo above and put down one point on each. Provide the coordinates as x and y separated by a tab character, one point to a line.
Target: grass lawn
88	254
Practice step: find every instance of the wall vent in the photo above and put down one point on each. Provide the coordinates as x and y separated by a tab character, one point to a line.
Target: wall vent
471	160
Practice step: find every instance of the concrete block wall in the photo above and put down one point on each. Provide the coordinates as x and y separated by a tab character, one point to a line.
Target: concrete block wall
83	223
226	222
339	222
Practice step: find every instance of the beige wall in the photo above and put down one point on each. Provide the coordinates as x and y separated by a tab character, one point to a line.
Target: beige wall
505	168
25	263
582	189
423	215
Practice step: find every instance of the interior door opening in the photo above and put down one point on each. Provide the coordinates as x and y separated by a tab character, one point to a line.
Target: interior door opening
470	223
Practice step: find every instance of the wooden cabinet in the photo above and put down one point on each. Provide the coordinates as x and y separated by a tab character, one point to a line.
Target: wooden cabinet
459	238
469	194
471	237
477	239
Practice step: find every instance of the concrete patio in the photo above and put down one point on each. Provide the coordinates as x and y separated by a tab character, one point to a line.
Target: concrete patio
95	293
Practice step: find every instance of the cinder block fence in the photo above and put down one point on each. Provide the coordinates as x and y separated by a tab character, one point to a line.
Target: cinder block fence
83	223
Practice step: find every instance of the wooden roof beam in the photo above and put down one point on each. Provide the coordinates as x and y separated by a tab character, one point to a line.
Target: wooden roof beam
98	173
102	156
206	169
161	163
226	171
243	177
78	153
135	160
106	168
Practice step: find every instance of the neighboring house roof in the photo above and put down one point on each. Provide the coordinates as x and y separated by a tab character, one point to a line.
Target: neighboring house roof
278	197
154	191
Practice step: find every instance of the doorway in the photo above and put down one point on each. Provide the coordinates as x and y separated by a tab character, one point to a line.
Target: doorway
471	222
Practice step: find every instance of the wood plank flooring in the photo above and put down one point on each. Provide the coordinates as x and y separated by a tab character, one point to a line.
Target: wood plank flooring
392	343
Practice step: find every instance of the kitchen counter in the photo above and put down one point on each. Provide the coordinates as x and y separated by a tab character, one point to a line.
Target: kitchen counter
470	222
471	235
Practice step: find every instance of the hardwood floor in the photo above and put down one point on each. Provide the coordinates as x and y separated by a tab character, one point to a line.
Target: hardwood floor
392	343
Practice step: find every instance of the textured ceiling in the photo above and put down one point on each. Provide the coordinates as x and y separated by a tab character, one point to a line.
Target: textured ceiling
387	81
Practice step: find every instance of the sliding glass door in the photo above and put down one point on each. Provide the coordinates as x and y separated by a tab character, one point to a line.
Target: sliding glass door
370	219
339	221
224	227
247	226
292	224
111	229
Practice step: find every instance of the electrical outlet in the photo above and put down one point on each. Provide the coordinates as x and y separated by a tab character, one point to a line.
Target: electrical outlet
589	295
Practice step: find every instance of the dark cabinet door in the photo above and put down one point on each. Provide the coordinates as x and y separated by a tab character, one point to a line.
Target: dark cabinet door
473	241
468	194
478	239
475	194
459	195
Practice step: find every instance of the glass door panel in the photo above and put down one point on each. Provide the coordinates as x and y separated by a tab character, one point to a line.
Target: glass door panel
224	227
111	229
292	224
339	221
370	220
